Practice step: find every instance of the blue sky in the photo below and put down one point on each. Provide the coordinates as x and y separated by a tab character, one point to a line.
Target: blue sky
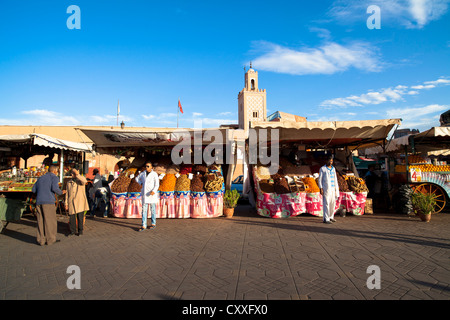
316	59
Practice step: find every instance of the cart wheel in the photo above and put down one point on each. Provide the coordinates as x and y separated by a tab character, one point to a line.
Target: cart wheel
436	191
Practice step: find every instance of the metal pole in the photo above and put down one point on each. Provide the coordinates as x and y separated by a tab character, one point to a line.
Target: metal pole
61	166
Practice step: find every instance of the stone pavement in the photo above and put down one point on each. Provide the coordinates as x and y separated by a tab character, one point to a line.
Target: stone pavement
245	257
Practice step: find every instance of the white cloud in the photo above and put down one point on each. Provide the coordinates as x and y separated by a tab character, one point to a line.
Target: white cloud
52	118
391	94
414	113
421	86
167	114
48	117
197	114
148	117
407	13
326	59
438	81
419	118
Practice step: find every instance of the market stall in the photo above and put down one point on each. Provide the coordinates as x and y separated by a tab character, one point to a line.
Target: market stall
187	190
422	160
293	190
17	183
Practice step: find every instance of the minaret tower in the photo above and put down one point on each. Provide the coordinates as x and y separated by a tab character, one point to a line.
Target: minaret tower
251	101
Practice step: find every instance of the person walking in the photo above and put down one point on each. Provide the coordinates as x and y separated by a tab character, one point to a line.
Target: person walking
149	181
329	189
76	202
45	189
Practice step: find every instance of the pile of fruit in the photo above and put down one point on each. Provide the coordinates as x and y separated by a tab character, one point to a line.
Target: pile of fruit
357	185
310	185
431	168
121	184
280	184
168	183
197	183
343	185
134	186
183	183
213	182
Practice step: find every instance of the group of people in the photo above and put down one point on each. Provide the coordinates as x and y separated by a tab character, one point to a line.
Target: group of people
76	201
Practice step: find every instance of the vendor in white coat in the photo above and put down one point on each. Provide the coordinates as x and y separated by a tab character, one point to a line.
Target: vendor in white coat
149	181
329	189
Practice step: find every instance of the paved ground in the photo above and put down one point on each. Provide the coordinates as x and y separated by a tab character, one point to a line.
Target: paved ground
245	257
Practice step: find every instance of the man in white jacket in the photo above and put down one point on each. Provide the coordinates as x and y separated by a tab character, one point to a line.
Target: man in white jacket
149	181
329	189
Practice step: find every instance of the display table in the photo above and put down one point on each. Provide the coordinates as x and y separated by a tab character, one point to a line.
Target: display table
286	205
170	205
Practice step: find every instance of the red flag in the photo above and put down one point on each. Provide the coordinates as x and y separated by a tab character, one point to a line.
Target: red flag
179	106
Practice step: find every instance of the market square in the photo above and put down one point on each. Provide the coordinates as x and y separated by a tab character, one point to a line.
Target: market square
246	257
301	153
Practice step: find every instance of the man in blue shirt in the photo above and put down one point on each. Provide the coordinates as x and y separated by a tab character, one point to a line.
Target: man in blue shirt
45	189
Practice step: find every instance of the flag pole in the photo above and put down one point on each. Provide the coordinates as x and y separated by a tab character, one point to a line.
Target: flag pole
178	110
118	111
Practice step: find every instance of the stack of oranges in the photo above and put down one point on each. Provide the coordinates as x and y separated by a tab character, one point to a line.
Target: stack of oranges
431	168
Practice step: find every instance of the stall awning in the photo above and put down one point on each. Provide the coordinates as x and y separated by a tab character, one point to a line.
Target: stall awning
47	141
434	132
120	138
332	133
392	145
17	138
435	141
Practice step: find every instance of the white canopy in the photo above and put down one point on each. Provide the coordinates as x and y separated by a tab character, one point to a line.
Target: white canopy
47	141
434	132
435	141
331	133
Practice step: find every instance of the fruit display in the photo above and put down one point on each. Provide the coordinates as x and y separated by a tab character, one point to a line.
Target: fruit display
343	185
357	185
266	186
168	183
213	182
431	168
183	183
280	184
310	185
197	183
423	167
121	184
134	186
